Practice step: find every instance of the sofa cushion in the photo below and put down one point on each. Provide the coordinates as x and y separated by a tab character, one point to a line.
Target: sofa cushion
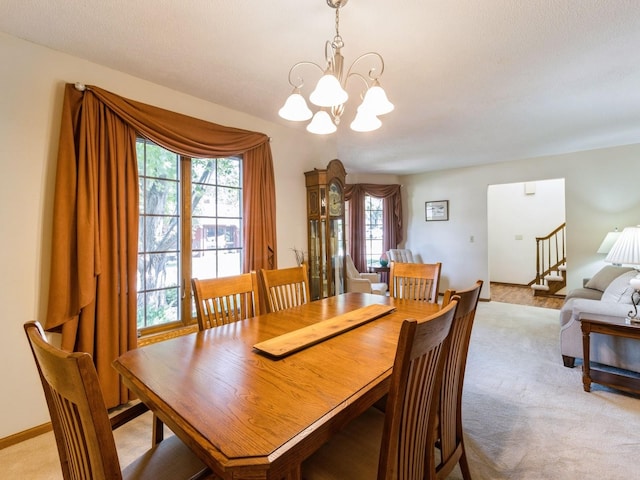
602	279
619	290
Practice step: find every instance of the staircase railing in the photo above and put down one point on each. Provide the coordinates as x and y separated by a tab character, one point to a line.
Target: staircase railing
550	253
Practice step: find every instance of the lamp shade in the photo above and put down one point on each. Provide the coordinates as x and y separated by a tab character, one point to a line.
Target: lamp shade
365	122
328	92
376	101
321	124
626	250
609	240
295	108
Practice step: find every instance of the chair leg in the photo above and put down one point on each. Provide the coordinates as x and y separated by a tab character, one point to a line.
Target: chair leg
158	430
464	465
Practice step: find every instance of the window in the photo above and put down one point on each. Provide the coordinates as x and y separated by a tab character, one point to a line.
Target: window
190	226
373	228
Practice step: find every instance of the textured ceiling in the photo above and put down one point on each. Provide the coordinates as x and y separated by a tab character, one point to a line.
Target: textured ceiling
473	81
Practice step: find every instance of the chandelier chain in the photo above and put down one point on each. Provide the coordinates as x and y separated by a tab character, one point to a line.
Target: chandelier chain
337	40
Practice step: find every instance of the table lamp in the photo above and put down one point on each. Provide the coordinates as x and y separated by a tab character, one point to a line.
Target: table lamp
609	240
626	250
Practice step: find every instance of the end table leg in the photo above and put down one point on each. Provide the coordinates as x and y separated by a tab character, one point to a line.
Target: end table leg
586	377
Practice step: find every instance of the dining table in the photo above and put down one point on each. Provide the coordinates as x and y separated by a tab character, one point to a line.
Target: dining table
252	412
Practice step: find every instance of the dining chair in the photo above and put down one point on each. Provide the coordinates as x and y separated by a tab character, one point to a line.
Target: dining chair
450	441
225	300
415	281
392	445
286	287
83	430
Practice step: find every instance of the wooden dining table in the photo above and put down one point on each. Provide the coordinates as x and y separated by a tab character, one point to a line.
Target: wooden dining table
250	415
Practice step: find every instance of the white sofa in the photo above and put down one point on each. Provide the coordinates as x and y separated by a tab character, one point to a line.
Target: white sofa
606	295
363	282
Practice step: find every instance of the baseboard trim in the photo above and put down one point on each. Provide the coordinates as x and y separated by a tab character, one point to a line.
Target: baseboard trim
25	435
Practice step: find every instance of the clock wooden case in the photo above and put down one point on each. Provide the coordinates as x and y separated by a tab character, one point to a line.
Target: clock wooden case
326	230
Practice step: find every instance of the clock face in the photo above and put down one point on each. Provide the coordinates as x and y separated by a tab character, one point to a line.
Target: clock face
335	200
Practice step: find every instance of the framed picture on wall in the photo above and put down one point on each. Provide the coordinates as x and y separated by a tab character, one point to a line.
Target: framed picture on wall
437	210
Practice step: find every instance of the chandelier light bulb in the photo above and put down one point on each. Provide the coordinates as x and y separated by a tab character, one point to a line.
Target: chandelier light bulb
328	92
295	108
321	124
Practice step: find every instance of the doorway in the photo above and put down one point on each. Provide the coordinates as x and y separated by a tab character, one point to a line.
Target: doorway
517	213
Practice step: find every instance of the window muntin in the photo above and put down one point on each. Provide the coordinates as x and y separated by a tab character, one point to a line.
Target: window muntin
373	229
190	226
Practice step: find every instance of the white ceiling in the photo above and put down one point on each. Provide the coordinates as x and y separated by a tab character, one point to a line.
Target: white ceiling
473	81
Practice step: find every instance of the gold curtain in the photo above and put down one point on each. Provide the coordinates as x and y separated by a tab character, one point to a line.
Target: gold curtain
92	292
391	213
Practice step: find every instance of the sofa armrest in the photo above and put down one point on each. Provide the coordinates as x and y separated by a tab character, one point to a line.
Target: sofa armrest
372	277
583	306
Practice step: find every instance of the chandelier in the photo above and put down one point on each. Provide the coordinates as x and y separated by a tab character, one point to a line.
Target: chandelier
330	94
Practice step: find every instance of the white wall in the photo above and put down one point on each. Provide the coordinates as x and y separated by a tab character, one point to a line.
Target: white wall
517	216
600	193
32	83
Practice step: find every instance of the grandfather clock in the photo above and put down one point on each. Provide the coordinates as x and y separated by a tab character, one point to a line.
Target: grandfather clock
325	230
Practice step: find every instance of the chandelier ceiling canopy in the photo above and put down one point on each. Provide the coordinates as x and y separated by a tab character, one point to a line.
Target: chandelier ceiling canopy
330	94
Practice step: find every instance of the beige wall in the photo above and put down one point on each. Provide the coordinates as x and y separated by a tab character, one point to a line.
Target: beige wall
599	187
32	83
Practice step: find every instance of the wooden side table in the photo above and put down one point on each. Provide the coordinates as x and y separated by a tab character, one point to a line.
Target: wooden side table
383	271
617	328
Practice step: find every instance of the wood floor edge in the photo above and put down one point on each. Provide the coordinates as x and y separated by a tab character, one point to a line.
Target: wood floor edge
25	435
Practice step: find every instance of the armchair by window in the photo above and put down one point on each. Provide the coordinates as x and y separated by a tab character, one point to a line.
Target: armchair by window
363	282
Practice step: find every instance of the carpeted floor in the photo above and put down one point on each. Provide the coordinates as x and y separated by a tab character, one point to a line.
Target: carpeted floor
526	417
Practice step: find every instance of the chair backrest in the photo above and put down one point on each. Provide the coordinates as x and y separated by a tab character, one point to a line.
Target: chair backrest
415	281
403	255
286	287
226	299
352	271
409	428
81	425
450	405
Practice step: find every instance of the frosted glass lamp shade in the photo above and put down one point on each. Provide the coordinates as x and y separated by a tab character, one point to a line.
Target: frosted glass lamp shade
365	121
328	92
295	108
626	250
376	101
321	124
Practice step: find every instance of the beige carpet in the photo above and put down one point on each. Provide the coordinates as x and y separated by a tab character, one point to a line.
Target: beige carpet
526	416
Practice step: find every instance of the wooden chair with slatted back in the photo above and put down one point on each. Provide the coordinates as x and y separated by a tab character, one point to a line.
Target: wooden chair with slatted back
286	287
450	439
415	281
82	427
226	299
394	441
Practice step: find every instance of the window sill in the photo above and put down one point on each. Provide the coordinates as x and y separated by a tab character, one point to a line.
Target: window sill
166	335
